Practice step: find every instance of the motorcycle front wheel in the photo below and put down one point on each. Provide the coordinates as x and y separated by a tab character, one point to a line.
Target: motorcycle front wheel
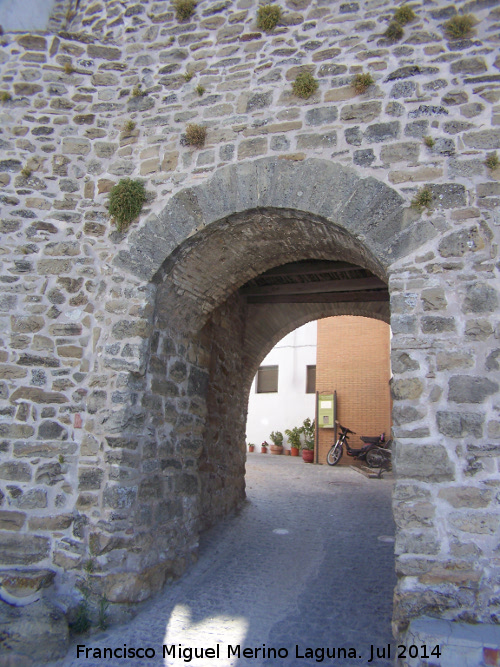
378	458
334	455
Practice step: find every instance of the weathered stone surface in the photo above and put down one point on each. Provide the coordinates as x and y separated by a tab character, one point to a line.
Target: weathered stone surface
56	522
89	479
119	497
448	195
382	132
447	361
413	515
75	146
400	152
136	587
436	324
459	243
14	471
487	139
37	395
23	549
11	520
475	522
480	298
470	389
322	115
38	630
409	388
468	66
459	496
361	113
428	463
460	424
26	323
104	52
16	430
49	473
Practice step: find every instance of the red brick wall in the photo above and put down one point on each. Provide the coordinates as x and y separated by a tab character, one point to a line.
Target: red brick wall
353	358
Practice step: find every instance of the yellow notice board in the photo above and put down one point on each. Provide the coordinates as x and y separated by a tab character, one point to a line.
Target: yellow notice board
326	411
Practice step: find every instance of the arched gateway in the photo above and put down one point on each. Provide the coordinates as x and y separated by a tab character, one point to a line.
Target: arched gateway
127	358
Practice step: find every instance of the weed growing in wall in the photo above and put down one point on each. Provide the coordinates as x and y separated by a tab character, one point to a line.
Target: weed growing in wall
129	126
188	76
429	142
68	68
361	82
126	200
184	9
304	85
268	17
102	616
5	96
394	31
459	27
196	135
26	172
422	199
492	161
137	91
82	620
404	14
200	89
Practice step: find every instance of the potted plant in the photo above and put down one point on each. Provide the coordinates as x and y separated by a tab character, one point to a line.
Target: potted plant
251	447
263	447
277	446
308	429
293	436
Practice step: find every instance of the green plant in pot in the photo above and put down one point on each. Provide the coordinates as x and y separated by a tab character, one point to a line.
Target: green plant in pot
293	436
309	431
277	440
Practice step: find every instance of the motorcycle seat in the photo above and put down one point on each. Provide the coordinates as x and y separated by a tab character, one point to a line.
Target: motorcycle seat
370	439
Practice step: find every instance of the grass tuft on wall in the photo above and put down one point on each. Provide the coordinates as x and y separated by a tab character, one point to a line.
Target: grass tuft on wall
126	200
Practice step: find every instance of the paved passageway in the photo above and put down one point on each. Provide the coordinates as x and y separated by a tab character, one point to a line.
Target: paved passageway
307	563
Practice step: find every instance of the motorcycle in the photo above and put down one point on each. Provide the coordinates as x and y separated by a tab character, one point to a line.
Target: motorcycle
376	452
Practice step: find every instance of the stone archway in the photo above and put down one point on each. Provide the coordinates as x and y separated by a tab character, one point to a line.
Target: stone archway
180	366
205	342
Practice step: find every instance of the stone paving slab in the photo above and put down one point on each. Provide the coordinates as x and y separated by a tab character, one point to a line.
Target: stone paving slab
307	563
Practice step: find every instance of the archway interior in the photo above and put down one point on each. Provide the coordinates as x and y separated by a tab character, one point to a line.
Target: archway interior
227	290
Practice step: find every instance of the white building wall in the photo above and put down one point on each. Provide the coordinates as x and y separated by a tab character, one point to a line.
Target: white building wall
290	405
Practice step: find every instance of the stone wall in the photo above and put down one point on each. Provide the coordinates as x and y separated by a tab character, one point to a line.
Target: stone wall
117	345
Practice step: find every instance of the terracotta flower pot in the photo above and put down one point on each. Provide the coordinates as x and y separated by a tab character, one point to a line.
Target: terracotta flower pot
308	455
251	448
263	450
294	451
276	449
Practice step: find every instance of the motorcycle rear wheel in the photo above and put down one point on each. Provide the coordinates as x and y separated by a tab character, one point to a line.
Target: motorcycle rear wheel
334	455
378	458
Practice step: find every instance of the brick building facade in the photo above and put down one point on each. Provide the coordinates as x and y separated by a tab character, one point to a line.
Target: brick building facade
353	359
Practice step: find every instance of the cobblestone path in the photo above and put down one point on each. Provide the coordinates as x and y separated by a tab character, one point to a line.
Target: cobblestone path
307	563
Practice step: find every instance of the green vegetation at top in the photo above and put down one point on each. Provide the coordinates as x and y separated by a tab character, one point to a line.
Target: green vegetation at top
423	199
196	135
305	85
460	26
361	82
126	200
404	14
268	17
184	9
